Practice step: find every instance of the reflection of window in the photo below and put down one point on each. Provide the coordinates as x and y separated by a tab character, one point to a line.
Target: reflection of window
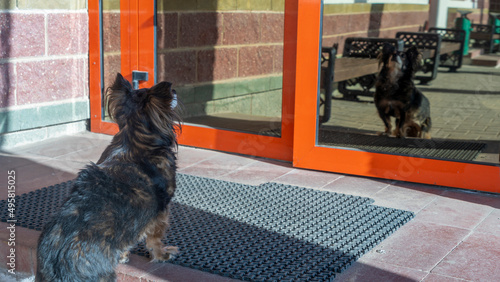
423	2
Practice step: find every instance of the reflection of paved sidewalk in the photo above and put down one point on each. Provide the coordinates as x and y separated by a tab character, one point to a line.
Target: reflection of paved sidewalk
464	105
455	234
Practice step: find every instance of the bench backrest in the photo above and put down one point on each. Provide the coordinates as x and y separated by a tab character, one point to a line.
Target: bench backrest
425	42
367	47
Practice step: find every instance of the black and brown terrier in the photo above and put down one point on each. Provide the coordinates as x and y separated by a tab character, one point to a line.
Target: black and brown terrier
396	95
121	199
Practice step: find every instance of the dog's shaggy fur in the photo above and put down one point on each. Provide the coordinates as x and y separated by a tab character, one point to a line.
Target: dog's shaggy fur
396	95
123	198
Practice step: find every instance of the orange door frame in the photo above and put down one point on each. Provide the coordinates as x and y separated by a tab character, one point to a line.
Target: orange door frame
307	154
136	25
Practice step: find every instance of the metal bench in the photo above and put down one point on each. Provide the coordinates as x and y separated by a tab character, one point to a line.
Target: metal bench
452	47
485	37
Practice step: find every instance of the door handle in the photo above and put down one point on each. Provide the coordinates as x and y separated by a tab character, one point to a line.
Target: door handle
138	76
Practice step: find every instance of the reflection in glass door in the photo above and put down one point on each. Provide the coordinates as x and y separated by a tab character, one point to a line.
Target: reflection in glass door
226	63
464	105
310	151
111	46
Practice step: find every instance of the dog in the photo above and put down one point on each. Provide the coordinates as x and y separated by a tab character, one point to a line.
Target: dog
123	198
396	95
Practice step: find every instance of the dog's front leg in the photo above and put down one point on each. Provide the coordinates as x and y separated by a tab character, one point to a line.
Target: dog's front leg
155	232
398	132
387	122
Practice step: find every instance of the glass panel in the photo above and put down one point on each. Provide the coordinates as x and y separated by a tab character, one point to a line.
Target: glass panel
464	105
225	62
110	44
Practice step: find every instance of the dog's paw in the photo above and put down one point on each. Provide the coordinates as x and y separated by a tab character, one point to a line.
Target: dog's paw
124	257
167	253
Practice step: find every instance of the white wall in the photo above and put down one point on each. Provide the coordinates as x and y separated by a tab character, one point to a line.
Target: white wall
439	10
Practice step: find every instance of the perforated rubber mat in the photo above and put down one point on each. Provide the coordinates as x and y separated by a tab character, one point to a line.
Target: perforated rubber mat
431	148
271	232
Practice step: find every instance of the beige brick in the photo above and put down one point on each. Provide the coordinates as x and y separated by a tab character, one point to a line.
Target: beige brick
52	4
217	5
7	4
371	8
278	5
254	5
111	5
184	5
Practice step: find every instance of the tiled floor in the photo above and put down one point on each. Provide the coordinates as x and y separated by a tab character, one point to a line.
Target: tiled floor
455	235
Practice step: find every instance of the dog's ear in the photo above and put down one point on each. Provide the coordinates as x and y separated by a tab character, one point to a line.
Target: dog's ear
388	50
121	84
161	88
164	89
414	57
412	52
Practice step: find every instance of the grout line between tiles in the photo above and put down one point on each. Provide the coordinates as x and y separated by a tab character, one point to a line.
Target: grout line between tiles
452	249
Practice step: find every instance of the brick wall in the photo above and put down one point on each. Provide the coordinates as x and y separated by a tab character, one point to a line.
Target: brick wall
370	20
495	6
43	69
223	56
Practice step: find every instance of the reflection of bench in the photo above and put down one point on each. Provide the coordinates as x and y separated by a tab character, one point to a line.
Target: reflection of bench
452	47
485	36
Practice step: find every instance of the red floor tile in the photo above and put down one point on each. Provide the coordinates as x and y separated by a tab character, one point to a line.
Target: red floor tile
188	156
455	213
258	172
38	175
476	259
60	146
218	165
358	186
440	278
411	198
377	271
418	245
491	224
482	198
308	178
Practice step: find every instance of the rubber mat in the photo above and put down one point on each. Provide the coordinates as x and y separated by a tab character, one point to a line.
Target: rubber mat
271	232
431	148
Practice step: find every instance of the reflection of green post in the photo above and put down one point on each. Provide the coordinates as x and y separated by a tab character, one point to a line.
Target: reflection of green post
495	22
464	23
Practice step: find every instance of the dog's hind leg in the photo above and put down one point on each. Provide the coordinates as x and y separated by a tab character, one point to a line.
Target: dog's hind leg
155	232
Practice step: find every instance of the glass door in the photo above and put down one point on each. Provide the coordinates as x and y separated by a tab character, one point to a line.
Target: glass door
228	63
342	145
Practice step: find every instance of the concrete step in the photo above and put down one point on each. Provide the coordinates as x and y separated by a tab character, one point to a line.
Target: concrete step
474	53
486	60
